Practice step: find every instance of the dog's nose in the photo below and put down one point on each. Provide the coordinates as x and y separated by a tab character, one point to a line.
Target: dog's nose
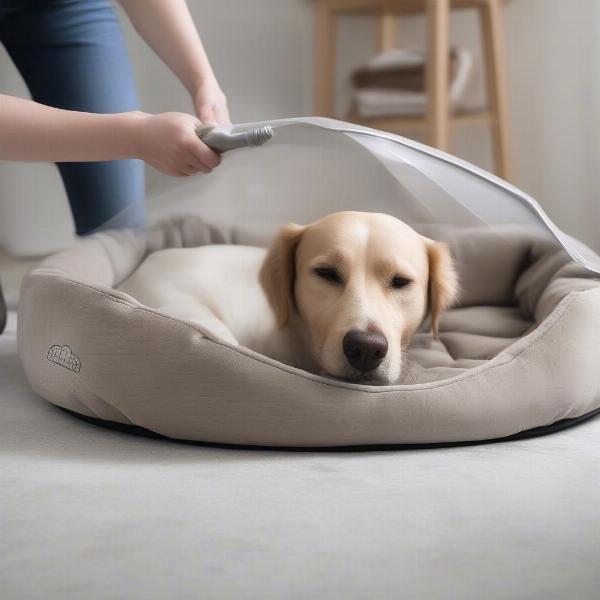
364	349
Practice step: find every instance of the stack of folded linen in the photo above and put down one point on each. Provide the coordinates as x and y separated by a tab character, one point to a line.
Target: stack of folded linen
393	83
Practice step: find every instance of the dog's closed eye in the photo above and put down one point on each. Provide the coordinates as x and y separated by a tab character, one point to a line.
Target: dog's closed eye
328	273
400	282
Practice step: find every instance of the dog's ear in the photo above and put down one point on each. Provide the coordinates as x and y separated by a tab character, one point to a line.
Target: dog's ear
278	271
443	282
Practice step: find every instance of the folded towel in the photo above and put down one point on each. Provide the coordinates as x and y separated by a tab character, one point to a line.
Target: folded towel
378	101
398	69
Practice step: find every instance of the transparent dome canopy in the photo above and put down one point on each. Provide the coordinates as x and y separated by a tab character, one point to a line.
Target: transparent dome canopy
314	166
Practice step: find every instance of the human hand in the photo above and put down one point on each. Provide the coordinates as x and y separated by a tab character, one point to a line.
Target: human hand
168	142
211	104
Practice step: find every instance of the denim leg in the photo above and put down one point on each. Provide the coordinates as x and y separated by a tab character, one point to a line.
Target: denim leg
72	55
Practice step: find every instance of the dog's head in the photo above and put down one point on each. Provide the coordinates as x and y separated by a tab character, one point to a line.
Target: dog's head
362	283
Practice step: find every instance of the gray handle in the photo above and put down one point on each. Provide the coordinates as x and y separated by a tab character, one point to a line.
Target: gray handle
222	140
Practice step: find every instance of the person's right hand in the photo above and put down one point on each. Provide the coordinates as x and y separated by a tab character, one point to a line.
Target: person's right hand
168	142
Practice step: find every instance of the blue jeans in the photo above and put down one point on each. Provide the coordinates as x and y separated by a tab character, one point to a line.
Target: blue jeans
72	55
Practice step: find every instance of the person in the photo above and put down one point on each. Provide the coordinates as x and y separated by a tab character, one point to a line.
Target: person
84	114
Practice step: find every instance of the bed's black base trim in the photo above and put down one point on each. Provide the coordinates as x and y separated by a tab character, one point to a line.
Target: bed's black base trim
3	312
528	433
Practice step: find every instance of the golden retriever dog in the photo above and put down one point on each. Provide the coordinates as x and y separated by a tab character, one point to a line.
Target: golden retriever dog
341	297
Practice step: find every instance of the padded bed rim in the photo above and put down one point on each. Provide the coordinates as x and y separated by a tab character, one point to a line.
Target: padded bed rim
479	426
506	356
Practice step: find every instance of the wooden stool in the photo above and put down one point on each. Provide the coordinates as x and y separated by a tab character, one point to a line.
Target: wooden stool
437	119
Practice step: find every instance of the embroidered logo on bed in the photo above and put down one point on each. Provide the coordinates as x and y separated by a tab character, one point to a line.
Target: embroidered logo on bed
65	357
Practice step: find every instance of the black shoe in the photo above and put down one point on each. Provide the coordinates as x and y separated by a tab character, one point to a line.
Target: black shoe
2	310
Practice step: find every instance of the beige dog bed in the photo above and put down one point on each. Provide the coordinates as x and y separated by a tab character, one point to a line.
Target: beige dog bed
518	353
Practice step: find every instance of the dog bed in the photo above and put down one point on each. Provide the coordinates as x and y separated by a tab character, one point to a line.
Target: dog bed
516	354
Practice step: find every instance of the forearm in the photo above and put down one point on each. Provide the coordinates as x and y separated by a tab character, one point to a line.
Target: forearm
168	28
33	132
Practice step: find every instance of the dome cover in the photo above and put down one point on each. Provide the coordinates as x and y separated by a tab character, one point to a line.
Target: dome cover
315	166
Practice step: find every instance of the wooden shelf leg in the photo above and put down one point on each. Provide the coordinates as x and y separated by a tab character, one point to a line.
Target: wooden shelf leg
438	25
495	75
325	42
388	30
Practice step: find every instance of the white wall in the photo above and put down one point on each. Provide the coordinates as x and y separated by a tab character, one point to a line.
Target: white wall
554	60
262	53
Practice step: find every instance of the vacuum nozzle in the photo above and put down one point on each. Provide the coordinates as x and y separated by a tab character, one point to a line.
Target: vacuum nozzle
222	140
257	137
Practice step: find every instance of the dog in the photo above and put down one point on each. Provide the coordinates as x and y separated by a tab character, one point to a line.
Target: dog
341	297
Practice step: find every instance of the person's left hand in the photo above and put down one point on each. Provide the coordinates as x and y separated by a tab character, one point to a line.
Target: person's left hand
211	104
